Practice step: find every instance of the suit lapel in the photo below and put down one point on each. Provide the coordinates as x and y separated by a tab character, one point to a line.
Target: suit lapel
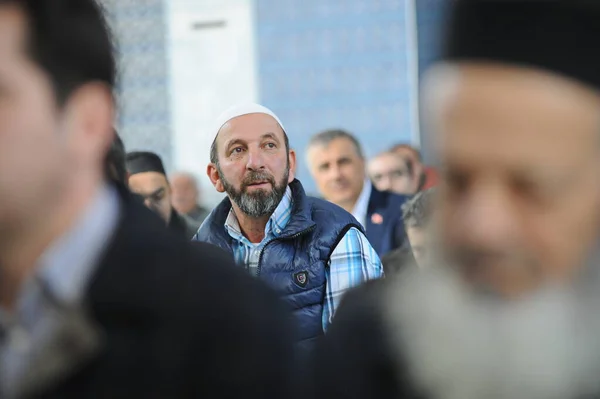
376	219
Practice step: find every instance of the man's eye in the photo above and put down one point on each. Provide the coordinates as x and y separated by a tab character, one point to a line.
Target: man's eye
237	150
456	181
270	145
529	189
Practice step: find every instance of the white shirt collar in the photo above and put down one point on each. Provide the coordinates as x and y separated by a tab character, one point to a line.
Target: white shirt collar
68	265
362	204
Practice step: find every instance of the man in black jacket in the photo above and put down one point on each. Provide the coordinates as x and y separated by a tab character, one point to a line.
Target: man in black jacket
147	178
98	298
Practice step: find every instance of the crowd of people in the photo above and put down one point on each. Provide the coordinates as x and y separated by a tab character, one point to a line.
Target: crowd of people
116	283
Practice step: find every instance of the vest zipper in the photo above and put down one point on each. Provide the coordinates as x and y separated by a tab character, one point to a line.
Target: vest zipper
258	269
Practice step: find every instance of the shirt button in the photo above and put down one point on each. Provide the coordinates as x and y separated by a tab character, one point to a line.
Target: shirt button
278	231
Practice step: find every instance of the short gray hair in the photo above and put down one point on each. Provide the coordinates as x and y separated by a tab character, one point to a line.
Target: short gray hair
417	211
327	136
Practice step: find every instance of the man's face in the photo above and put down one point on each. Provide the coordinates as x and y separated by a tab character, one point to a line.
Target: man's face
409	154
338	170
520	198
155	190
185	193
254	166
389	172
42	148
28	123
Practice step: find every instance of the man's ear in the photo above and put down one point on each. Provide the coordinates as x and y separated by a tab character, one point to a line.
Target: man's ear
88	121
292	161
213	174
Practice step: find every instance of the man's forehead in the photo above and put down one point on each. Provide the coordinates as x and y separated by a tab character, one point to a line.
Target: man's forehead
522	85
388	160
515	113
250	127
148	180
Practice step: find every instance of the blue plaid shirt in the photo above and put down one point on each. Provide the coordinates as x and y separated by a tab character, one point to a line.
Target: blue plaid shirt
352	262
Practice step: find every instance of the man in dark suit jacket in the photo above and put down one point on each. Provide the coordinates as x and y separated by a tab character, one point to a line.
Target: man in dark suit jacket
104	301
337	164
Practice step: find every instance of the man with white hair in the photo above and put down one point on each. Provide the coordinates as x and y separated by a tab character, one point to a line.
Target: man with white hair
309	250
509	307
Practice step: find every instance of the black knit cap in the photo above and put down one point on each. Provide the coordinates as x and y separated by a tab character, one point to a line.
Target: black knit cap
561	36
143	161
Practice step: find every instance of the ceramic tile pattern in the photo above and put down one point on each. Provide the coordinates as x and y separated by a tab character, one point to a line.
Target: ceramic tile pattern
335	64
144	117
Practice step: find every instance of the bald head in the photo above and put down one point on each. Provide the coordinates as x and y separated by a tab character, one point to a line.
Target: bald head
185	192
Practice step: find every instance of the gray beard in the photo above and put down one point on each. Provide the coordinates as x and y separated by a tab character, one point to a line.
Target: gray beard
261	203
460	345
258	205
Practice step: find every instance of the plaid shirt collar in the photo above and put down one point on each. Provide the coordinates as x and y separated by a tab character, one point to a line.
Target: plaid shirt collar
275	226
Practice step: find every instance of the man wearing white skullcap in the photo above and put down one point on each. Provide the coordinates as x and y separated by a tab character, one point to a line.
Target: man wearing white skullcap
309	250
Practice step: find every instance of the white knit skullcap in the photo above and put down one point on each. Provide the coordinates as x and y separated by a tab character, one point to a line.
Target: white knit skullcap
239	110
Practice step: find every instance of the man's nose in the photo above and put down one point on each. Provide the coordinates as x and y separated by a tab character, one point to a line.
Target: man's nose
255	160
488	216
385	183
335	172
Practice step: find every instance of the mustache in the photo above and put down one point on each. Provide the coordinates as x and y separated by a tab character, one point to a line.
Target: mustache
254	177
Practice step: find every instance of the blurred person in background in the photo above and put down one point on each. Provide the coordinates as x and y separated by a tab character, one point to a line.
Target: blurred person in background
416	214
186	197
423	176
337	165
148	179
309	250
390	172
98	299
509	307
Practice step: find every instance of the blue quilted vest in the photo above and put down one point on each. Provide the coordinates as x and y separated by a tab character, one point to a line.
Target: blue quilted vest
294	263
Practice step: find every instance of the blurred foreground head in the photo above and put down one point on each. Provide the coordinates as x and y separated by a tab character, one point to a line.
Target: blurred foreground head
511	308
57	74
516	111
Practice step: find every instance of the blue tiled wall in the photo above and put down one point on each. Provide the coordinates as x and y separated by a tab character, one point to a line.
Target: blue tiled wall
144	116
335	64
431	22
